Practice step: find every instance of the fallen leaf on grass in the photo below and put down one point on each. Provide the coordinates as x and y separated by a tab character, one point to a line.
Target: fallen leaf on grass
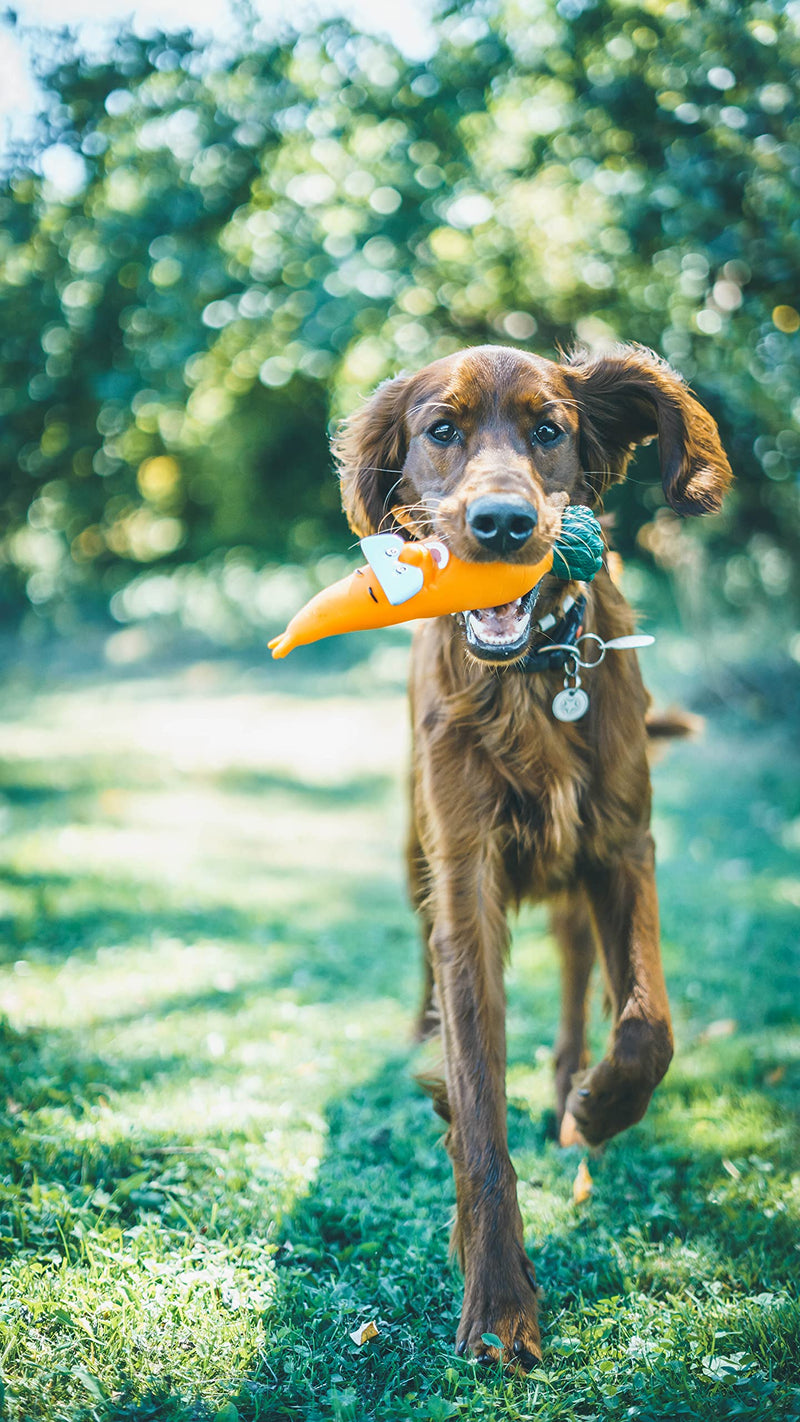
582	1185
364	1332
774	1077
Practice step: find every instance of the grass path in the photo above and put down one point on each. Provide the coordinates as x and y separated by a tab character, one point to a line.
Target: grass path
214	1163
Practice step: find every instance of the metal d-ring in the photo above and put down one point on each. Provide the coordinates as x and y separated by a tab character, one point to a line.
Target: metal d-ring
592	636
574	655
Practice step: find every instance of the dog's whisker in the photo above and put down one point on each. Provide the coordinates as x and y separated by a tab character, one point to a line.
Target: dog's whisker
433	405
379	469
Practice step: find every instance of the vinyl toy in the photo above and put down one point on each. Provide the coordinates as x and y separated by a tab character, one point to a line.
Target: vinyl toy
404	580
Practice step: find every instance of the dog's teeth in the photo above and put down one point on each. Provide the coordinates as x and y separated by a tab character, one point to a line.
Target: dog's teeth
490	638
503	628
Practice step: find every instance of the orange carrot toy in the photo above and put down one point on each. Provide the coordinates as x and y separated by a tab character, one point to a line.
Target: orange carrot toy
407	580
404	581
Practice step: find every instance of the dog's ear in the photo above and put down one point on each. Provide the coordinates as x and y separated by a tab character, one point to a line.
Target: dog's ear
630	396
370	450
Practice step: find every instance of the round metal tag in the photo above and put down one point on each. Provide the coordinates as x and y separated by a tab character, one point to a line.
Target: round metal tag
570	704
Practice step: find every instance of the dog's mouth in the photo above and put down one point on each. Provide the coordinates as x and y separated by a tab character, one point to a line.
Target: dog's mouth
501	634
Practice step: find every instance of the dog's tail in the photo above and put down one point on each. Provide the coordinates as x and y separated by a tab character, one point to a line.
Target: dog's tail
672	723
665	726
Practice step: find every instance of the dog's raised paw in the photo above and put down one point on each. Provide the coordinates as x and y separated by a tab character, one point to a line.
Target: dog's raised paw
607	1100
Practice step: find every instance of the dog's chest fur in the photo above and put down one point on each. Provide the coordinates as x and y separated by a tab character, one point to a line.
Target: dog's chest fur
550	795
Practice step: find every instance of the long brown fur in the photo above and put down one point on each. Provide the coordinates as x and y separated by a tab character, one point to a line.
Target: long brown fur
509	803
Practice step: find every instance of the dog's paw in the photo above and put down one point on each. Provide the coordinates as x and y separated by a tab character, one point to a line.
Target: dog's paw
507	1313
603	1102
616	1093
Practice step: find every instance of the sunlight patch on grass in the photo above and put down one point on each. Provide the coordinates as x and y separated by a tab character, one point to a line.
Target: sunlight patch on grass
127	1312
321	741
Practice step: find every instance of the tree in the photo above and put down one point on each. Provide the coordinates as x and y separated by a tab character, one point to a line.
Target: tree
255	240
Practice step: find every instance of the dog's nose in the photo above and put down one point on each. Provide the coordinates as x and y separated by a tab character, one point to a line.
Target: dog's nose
501	524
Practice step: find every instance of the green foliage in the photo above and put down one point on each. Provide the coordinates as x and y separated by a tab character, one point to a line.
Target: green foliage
259	236
214	1162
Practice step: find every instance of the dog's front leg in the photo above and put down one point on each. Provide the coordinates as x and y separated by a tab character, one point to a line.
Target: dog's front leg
468	943
615	1093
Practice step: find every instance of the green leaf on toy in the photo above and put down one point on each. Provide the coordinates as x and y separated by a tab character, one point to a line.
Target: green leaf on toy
578	550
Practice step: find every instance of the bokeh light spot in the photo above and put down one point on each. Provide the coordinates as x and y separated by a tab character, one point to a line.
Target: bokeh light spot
786	318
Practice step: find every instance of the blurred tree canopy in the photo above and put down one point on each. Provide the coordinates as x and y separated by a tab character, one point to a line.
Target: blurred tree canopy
208	257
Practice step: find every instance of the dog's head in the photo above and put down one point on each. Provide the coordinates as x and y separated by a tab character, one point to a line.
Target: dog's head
485	449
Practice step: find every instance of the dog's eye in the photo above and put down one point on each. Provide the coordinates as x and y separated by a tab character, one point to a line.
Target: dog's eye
547	432
443	432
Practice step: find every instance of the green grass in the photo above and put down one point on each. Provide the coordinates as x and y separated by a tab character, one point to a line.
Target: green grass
214	1162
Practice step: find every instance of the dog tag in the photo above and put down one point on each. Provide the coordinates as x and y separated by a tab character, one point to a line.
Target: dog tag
570	704
399	581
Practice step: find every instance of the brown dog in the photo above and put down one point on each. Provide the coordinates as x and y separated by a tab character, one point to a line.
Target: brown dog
484	449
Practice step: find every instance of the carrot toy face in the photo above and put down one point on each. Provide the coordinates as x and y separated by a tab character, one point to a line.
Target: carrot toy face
406	580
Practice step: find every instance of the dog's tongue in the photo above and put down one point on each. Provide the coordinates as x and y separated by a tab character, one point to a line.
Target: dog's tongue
502	620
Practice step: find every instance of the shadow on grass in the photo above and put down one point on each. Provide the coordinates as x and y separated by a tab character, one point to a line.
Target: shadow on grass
359	790
25	793
370	1239
348	935
45	931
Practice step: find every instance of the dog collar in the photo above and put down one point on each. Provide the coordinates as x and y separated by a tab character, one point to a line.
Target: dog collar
560	635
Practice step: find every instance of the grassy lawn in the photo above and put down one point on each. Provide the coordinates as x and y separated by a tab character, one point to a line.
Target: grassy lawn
214	1162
